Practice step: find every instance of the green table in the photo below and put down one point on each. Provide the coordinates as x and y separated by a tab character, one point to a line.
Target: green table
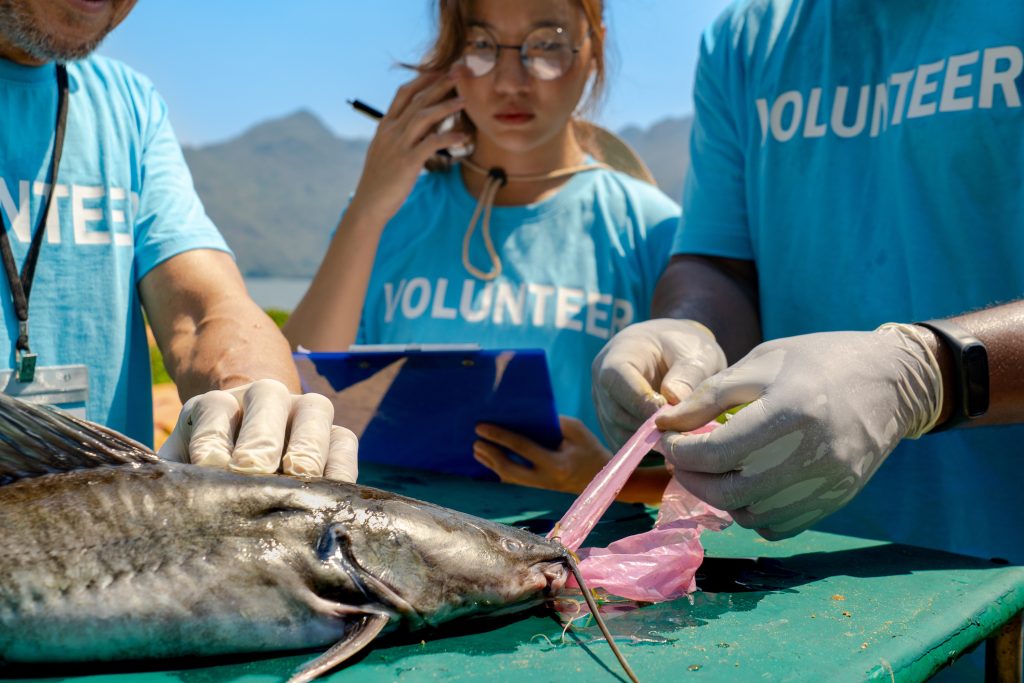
818	607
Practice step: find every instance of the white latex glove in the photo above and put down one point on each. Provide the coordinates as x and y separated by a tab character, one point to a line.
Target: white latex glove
825	411
244	429
647	364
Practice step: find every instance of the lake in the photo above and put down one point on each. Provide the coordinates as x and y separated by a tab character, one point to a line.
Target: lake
277	292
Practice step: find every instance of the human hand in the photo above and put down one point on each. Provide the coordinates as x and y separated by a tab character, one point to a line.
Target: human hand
647	364
244	429
568	468
404	141
824	412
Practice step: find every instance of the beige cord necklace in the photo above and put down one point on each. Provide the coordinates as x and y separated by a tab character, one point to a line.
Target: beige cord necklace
496	179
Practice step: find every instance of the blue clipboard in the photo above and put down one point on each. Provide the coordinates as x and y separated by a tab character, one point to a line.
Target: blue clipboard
419	406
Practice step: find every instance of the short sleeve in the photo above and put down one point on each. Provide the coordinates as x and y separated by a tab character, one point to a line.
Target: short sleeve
170	218
715	219
661	221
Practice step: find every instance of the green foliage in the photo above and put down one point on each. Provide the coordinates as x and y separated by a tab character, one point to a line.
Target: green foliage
156	360
280	317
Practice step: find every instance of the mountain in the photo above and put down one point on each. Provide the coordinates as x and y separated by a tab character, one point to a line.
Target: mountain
276	191
665	148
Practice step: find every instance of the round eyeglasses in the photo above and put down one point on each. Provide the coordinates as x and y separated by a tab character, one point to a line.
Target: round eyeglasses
546	52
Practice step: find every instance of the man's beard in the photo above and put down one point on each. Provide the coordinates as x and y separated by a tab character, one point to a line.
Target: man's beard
24	32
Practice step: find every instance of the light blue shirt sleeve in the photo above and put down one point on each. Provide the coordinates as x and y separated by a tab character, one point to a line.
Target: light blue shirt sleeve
171	218
715	207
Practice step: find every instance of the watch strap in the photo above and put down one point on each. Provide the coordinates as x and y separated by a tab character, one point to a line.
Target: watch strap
970	390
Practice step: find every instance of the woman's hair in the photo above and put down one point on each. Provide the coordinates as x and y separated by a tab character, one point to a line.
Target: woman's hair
452	16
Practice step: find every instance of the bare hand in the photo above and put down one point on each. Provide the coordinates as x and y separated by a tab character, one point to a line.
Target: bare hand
569	468
405	139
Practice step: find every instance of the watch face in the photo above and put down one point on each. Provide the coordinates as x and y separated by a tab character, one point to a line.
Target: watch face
975	363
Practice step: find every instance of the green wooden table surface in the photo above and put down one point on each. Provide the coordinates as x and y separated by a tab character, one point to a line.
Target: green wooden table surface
812	608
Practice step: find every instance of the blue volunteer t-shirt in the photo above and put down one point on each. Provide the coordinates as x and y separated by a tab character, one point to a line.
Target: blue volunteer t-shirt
576	268
869	157
124	203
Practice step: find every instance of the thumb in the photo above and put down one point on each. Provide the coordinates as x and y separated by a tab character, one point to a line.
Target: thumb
728	389
175	448
688	367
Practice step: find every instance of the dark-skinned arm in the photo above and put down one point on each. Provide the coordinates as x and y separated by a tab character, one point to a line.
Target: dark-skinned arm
1001	329
717	292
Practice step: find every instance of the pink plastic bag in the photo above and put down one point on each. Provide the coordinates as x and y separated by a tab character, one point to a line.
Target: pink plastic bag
653	566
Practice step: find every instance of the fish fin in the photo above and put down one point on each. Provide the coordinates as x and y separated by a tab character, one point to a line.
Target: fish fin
361	634
38	439
335	547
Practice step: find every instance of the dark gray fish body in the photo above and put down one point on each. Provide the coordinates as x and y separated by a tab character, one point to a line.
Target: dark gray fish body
150	559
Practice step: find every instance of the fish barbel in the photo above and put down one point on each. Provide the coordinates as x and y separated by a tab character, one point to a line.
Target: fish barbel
109	553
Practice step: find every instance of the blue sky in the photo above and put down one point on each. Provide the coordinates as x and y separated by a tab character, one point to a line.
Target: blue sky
224	65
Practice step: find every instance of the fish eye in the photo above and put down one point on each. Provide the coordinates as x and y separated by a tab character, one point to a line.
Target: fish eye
511	545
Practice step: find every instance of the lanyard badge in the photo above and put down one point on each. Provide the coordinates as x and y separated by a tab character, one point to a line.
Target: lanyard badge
24	361
21	285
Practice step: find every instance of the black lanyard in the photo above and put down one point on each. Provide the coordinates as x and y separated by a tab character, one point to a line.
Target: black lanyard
21	287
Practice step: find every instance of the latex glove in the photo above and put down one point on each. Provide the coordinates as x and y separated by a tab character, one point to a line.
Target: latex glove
825	411
244	429
647	364
569	468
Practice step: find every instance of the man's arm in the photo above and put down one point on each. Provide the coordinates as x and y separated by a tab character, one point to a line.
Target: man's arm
211	334
1001	329
234	371
717	292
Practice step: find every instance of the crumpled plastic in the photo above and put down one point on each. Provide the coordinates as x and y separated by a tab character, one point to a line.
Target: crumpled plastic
656	565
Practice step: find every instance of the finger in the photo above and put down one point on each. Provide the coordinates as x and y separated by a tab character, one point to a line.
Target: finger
426	120
409	90
494	459
726	491
691	359
175	448
266	406
517	443
616	424
775	527
342	457
214	417
435	142
728	389
721	450
624	399
309	436
422	100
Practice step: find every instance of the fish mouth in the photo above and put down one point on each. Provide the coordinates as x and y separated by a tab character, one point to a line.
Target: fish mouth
554	575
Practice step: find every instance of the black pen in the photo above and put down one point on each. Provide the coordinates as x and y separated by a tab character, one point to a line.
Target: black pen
366	109
377	115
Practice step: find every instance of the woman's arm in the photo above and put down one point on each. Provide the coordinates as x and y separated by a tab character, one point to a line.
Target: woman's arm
327	318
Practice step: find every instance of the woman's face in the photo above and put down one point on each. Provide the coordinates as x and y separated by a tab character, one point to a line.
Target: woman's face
513	110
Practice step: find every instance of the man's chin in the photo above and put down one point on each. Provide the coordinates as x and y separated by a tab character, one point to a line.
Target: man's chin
64	33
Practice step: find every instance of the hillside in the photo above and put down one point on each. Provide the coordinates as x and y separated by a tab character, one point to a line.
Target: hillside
276	191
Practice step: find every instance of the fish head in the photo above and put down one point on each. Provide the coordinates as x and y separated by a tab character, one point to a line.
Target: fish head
429	564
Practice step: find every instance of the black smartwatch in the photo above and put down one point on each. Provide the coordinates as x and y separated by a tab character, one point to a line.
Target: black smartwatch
970	372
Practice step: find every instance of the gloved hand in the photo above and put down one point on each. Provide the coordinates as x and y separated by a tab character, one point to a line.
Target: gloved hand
244	429
824	412
647	364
